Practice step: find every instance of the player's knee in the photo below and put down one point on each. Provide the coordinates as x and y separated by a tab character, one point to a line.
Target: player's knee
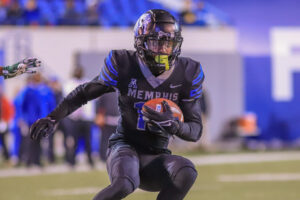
182	166
185	172
187	175
124	186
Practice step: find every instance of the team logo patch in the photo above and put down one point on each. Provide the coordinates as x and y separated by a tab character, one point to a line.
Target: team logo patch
132	83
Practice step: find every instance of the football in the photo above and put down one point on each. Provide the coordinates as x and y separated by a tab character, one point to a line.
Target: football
155	104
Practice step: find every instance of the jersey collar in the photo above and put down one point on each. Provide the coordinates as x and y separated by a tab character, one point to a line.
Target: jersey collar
151	79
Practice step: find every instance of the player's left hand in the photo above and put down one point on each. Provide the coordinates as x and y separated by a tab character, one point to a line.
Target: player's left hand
42	128
161	122
24	66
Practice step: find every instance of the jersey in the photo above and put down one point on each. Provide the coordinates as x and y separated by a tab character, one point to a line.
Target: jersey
135	85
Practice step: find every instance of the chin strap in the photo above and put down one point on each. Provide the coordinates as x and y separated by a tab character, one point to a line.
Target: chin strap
163	59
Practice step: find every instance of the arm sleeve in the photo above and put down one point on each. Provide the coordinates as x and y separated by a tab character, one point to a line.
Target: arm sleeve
104	83
190	105
78	97
191	129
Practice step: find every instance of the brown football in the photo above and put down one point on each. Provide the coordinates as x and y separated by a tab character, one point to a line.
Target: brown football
155	104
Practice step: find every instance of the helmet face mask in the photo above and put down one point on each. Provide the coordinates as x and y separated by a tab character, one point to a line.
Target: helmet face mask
159	46
158	40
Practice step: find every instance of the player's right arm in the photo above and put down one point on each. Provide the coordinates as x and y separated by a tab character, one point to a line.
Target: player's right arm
103	83
191	129
78	97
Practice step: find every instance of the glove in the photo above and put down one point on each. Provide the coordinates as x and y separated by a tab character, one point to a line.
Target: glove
161	122
21	67
42	128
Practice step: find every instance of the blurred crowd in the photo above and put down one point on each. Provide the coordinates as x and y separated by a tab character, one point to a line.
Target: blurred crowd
105	13
85	131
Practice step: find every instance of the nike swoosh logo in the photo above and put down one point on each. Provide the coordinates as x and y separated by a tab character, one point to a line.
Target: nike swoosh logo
175	86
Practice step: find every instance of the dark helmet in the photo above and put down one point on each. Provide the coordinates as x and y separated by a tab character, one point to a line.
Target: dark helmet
157	39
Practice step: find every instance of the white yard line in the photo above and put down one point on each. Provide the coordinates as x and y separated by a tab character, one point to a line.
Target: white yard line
53	169
260	177
73	191
245	158
197	160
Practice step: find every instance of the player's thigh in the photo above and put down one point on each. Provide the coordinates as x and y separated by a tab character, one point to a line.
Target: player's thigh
158	171
123	162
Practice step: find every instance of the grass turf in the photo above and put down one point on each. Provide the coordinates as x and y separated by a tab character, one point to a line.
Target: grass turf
84	185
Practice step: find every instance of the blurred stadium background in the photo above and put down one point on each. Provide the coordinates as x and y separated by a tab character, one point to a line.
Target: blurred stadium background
250	52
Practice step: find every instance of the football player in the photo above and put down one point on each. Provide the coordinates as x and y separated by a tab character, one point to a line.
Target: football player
138	155
25	66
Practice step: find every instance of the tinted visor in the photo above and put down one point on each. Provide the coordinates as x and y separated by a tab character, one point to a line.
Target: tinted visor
163	46
160	46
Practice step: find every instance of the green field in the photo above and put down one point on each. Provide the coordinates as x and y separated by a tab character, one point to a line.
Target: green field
83	185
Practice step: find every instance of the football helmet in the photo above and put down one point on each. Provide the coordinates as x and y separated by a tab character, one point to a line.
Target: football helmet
157	40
